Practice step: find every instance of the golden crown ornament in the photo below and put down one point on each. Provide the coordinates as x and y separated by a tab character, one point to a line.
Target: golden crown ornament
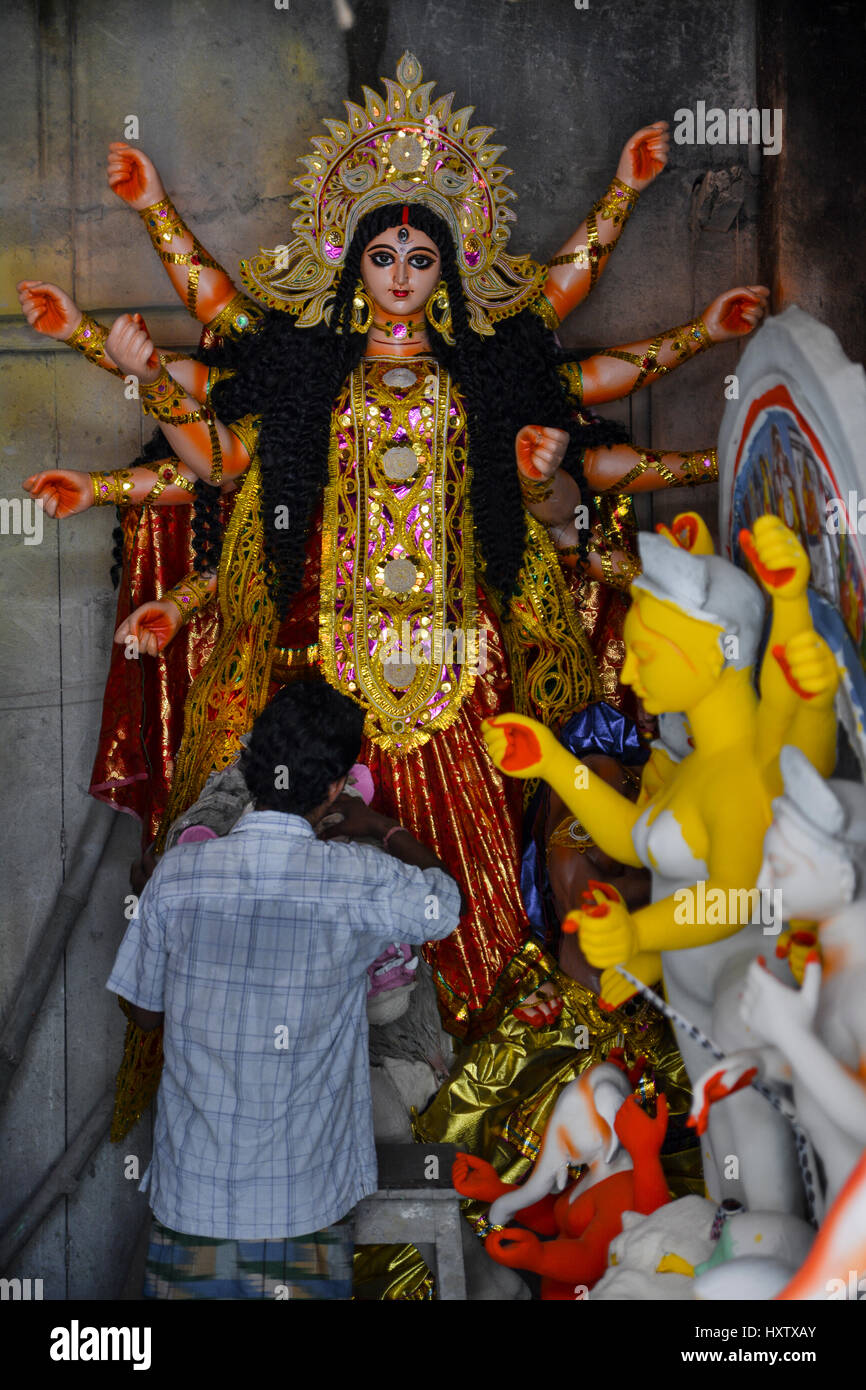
404	147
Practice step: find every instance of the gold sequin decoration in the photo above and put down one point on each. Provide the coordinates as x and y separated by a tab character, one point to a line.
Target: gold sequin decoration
393	554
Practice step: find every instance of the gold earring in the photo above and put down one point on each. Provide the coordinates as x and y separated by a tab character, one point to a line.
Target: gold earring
438	312
362	310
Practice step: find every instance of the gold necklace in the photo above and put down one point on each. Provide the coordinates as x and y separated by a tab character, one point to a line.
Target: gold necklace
400	329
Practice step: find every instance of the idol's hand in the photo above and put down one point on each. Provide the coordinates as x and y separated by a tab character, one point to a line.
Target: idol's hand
475	1177
809	667
514	1247
130	346
607	931
736	312
614	989
645	155
636	1130
720	1080
777	556
517	744
775	1013
540	450
64	491
151	626
133	176
48	308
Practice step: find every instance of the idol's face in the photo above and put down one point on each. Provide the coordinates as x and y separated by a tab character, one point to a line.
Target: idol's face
400	268
669	655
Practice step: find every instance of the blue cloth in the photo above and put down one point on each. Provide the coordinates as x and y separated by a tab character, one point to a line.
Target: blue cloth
598	728
256	946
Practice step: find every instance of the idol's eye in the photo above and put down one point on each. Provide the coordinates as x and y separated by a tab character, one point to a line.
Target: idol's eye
421	260
382	258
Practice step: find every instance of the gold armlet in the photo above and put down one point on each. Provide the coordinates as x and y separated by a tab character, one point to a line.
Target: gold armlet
246	429
89	339
535	490
646	362
112	489
164	223
700	467
647	459
617	204
546	312
190	596
158	398
571	376
239	316
621	577
168	474
589	255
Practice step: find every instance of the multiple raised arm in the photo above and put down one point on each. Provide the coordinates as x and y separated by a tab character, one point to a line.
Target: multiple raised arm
175	389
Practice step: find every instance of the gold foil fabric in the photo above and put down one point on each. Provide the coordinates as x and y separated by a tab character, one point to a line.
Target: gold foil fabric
501	1092
398	627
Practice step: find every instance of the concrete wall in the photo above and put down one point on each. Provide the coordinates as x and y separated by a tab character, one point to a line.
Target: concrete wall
812	60
227	96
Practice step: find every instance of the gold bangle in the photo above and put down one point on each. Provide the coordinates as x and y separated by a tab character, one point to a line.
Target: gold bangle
112	488
189	596
163	222
160	396
89	338
689	339
535	490
617	203
700	467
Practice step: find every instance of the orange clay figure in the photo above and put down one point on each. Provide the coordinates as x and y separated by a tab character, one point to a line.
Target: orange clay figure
597	1122
691	638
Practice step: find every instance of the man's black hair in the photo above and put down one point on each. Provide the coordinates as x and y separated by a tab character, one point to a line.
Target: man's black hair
308	737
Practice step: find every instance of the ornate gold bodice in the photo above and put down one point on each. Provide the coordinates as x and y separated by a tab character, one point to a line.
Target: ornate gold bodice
399	626
398	609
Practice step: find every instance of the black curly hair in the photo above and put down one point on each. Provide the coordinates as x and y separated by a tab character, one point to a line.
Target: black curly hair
291	377
307	737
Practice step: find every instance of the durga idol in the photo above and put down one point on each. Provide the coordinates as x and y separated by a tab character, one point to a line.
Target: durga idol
379	442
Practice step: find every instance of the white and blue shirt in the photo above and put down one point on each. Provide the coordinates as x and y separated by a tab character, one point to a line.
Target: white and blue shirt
256	946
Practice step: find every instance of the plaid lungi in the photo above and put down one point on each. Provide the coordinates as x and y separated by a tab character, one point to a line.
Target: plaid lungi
299	1267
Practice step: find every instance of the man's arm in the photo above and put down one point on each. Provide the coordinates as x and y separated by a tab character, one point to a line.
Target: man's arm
146	1019
139	968
360	822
